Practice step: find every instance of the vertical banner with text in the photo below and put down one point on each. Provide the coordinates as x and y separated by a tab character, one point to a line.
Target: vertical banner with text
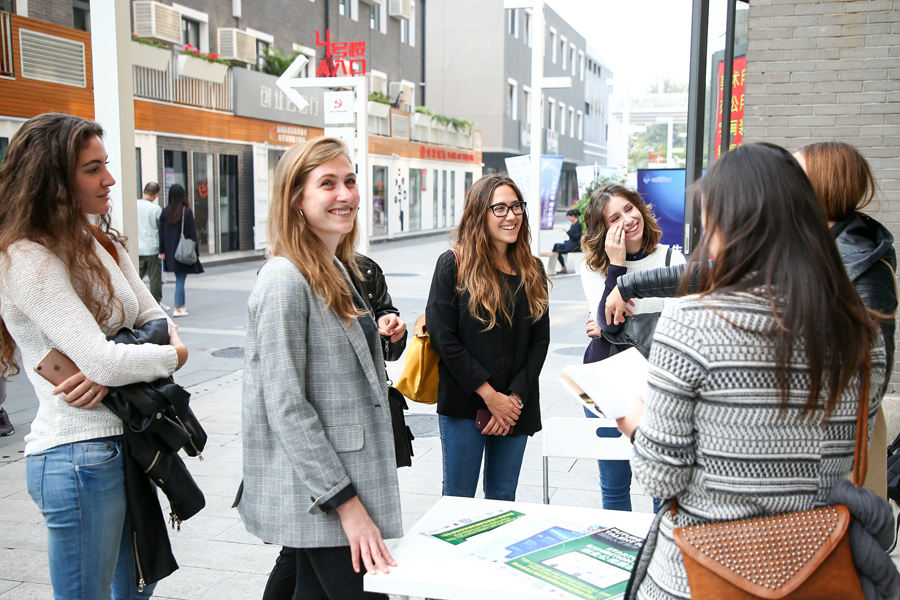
551	167
737	104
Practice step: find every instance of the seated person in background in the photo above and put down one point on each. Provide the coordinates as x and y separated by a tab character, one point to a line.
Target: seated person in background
573	244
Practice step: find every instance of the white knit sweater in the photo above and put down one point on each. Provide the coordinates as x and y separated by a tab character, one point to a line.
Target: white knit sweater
42	310
714	434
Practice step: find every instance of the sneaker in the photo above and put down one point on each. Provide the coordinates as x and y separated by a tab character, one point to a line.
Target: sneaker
180	312
6	426
165	306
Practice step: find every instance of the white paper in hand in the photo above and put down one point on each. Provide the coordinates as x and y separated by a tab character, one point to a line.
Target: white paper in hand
614	384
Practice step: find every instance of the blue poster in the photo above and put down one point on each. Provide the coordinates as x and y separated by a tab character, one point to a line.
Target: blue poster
664	189
518	168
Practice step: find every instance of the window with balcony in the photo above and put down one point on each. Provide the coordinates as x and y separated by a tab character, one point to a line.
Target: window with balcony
190	32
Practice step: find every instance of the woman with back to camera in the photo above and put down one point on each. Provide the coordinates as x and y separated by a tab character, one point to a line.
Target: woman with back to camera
621	236
754	331
488	318
844	185
61	289
315	409
176	219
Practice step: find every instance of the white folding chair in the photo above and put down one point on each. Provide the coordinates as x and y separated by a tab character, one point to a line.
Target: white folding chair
573	437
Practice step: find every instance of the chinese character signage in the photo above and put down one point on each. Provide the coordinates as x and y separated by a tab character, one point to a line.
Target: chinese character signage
341	58
737	104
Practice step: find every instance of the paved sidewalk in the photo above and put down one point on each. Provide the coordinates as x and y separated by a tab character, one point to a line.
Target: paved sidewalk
219	559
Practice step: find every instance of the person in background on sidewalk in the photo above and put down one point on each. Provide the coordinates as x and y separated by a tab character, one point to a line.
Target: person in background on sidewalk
573	244
488	317
320	473
621	236
148	239
6	426
61	289
177	219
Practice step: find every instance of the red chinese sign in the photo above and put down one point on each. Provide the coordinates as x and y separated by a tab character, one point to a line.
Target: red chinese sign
737	104
341	58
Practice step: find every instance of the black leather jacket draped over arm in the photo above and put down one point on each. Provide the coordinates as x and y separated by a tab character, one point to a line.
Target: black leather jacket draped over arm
373	289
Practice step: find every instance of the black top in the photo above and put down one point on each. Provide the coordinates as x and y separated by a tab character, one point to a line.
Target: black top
509	356
170	235
574	232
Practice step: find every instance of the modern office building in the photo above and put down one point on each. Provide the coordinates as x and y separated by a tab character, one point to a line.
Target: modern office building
219	128
478	66
598	81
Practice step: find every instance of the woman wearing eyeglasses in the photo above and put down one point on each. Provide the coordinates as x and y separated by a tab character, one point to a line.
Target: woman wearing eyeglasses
488	318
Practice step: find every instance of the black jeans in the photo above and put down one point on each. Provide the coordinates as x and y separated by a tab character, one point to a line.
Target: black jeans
316	574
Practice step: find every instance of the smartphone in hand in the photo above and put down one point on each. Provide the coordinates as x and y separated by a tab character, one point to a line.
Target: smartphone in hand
483	416
55	367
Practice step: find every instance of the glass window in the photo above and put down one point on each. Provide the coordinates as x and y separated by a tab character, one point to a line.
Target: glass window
562	118
203	216
551	103
8	6
512	95
571	122
343	7
190	32
452	197
526	27
81	15
261	47
467	184
4	142
138	176
174	169
526	106
404	31
438	218
553	46
375	17
563	53
229	232
415	199
379	206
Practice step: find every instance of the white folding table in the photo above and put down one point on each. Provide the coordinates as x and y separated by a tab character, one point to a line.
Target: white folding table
432	568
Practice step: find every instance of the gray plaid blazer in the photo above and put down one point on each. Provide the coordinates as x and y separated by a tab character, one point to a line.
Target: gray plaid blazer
315	417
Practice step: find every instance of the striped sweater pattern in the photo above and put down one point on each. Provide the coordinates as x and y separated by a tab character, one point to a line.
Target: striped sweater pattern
714	434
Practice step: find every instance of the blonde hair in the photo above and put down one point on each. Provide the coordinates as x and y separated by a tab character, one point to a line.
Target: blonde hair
477	273
291	238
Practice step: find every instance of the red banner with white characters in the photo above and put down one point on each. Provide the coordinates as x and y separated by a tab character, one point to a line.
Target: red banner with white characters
737	104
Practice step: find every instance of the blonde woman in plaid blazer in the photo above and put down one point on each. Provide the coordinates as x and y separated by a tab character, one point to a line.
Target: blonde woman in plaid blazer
319	468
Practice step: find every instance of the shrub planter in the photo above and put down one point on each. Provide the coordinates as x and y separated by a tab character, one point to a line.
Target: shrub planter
379	109
150	57
199	68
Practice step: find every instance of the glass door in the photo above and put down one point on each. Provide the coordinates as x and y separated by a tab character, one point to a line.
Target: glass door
205	218
229	233
379	206
415	199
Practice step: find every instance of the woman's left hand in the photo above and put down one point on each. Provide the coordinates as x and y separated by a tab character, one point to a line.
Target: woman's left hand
81	392
630	422
494	427
366	544
392	326
592	329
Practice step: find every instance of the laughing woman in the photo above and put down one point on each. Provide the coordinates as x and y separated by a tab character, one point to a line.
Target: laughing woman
488	319
319	469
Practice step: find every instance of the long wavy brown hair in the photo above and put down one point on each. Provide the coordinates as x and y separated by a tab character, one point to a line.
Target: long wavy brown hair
291	238
775	239
840	176
593	242
489	300
38	203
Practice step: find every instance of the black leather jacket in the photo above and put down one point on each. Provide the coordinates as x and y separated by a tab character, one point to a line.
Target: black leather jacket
157	423
373	290
866	248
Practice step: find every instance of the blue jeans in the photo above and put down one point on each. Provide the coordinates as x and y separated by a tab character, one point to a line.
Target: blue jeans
80	490
462	447
179	289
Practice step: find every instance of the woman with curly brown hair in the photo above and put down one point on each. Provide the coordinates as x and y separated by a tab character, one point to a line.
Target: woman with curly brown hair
488	318
66	283
621	235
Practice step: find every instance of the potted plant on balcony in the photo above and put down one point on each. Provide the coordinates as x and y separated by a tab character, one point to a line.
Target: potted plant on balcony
149	53
200	65
379	105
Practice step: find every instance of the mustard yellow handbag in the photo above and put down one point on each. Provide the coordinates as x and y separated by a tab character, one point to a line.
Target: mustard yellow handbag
419	380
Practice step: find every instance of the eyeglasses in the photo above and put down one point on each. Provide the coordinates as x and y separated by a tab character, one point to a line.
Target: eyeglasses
501	210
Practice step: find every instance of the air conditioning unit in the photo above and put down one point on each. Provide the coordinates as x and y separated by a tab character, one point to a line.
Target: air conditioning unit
373	2
400	9
406	90
378	82
157	21
235	44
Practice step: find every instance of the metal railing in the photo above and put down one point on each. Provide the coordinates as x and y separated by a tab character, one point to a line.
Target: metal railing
6	53
165	86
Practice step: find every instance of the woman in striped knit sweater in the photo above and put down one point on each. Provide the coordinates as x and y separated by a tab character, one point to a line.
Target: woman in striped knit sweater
755	381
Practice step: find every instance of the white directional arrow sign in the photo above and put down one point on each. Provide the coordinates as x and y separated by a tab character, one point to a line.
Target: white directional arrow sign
288	80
